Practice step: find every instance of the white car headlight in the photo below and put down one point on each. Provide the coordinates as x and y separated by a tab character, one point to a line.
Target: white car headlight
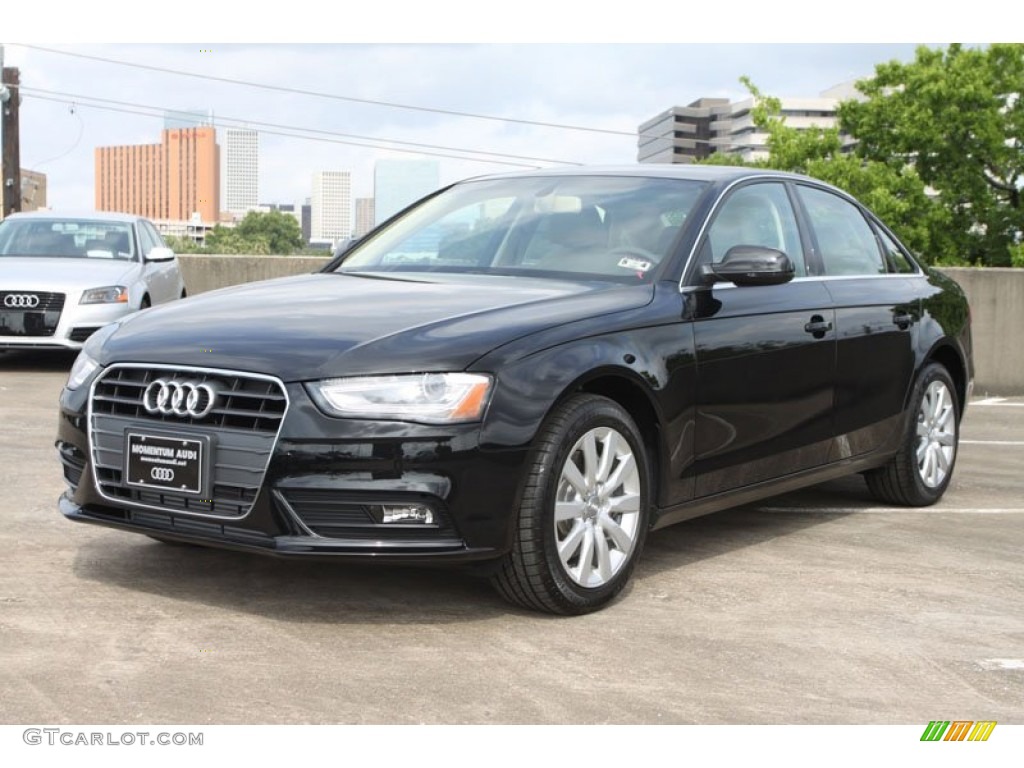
431	398
108	294
81	371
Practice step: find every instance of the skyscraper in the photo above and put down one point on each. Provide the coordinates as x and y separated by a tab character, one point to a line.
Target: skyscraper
241	170
331	214
397	183
172	180
364	216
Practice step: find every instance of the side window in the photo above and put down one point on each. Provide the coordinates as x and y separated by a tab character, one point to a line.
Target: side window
895	258
846	242
150	238
758	214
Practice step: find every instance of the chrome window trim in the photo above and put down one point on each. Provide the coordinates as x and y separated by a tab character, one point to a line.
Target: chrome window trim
814	279
194	369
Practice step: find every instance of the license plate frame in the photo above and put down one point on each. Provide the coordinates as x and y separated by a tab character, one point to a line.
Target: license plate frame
169	463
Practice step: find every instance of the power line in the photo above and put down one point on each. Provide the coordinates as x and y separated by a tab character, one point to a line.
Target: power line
241	122
293	135
334	96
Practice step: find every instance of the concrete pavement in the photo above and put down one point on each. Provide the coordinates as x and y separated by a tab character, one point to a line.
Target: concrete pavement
815	607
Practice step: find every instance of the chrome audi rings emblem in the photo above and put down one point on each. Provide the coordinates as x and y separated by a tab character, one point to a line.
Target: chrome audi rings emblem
165	474
180	398
21	301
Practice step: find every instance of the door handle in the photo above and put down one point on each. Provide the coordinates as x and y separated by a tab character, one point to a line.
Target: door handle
903	321
818	327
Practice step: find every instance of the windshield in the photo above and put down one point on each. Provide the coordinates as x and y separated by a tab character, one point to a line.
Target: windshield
600	227
66	238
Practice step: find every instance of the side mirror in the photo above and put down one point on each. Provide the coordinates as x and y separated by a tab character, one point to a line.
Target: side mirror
751	265
160	254
343	246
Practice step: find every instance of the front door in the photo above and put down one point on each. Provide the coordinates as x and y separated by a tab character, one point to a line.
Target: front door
765	354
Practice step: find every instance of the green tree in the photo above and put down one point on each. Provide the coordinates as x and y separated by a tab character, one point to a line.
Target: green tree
958	116
894	191
280	231
230	240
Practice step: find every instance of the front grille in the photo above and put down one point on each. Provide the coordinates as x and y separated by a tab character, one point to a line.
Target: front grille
243	428
81	334
48	302
329	514
40	320
162	522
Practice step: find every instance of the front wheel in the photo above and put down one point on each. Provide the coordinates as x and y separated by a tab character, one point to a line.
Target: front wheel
922	468
583	514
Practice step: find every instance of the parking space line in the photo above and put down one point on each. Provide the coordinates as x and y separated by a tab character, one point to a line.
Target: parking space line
899	510
996	401
992	442
1001	663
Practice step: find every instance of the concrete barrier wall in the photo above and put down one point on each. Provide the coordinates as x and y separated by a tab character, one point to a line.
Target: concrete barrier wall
996	296
206	273
997	312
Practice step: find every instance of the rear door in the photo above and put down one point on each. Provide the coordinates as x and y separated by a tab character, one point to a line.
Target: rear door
765	354
874	291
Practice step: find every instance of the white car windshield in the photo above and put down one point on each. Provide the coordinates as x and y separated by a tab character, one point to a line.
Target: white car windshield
66	238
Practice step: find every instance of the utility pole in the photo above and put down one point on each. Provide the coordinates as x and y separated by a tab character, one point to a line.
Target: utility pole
10	100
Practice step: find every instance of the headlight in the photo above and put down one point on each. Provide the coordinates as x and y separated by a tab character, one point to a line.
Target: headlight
431	398
108	294
81	371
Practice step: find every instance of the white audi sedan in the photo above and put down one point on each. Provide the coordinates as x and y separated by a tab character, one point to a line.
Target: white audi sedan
62	278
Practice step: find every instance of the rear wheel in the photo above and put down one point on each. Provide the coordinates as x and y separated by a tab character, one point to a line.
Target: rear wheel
921	470
582	518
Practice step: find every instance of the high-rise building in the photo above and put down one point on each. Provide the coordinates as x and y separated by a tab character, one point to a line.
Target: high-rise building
397	183
306	220
241	170
706	126
331	209
364	216
177	179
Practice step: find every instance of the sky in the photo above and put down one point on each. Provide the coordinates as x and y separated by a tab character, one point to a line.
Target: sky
582	80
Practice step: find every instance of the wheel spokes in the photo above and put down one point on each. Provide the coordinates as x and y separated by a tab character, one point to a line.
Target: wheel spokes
597	510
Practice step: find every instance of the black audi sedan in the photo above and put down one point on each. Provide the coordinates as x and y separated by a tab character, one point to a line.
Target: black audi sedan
527	373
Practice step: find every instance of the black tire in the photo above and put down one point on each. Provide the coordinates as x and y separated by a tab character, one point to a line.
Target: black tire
906	480
184	294
145	303
534	574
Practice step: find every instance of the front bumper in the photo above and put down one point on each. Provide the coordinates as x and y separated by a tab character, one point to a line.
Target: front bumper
65	329
322	475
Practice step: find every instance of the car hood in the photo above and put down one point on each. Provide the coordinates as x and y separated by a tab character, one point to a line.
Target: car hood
329	324
58	275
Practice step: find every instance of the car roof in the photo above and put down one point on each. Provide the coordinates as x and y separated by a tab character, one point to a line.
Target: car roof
714	173
127	218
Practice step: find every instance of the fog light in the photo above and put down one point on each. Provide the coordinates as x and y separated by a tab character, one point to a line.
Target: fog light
403	513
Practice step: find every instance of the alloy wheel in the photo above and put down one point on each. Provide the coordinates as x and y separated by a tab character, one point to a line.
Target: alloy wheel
936	434
597	507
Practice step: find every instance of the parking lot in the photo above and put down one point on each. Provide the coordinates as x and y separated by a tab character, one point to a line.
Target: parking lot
814	607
